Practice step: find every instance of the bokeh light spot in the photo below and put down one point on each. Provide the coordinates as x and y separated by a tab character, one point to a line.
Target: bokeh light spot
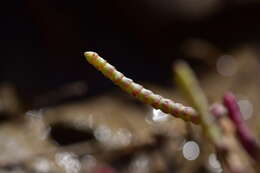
191	150
214	163
246	108
159	116
226	65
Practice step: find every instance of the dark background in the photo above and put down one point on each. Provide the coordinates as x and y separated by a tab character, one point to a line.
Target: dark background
43	41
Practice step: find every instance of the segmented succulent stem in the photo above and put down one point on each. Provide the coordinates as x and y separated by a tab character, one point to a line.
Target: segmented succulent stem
188	82
245	136
144	95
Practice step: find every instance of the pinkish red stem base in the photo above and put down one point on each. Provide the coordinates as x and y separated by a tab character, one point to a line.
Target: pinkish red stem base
243	132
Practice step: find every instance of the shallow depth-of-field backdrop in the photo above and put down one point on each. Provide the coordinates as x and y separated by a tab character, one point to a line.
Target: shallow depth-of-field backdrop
60	115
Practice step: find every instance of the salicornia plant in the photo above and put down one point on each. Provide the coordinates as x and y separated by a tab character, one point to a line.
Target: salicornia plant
200	113
144	95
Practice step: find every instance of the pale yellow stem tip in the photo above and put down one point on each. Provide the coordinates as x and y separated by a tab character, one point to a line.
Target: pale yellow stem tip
89	54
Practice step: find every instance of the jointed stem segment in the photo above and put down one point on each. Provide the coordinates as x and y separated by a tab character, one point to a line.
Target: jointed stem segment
187	81
138	91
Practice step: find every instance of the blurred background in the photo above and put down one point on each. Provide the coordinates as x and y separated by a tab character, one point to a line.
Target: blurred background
43	41
46	80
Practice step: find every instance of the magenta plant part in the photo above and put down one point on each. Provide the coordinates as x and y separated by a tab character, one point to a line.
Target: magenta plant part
244	134
138	91
217	110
